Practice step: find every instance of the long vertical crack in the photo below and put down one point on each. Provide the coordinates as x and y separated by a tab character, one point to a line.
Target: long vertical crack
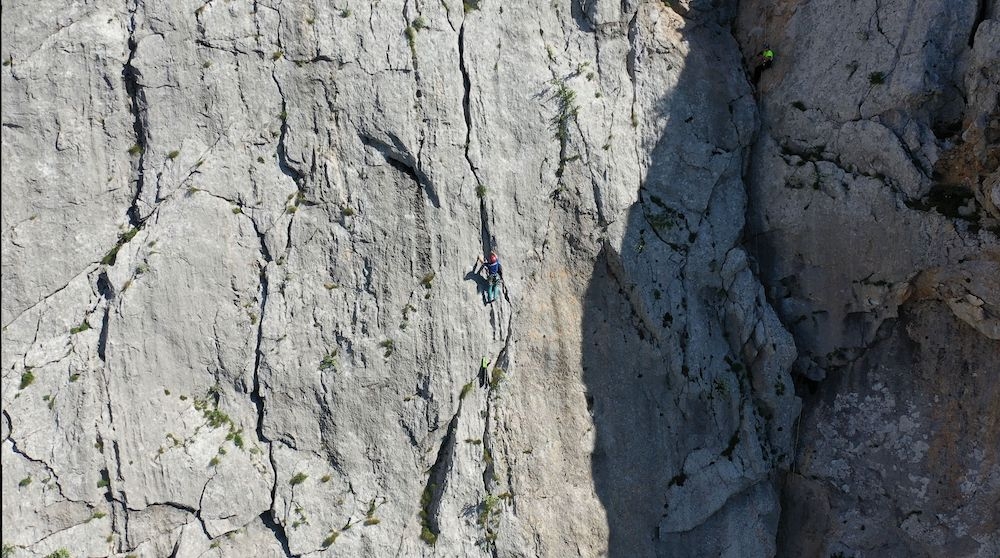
438	477
137	101
981	15
256	397
466	100
488	241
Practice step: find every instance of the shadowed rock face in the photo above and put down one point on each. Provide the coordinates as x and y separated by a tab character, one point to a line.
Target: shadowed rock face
241	318
872	212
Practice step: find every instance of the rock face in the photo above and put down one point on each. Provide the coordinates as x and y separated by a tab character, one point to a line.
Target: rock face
873	188
240	313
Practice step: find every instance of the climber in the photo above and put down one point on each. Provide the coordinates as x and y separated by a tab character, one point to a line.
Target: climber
494	275
764	61
767	56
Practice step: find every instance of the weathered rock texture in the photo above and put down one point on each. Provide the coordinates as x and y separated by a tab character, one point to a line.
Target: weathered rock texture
873	213
240	319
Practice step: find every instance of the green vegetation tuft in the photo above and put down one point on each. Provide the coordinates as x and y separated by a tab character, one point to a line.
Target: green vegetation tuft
426	280
566	111
329	361
496	377
299	478
277	54
135	150
331	538
24	482
411	38
428	536
389	345
345	13
61	553
876	78
80	328
27	378
465	390
480	191
173	154
372	521
420	23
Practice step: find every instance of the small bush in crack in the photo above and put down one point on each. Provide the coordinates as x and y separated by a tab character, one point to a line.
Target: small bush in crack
61	553
24	482
325	478
135	150
237	210
876	78
426	280
27	378
488	508
420	23
465	390
173	154
80	328
277	54
411	38
370	518
291	209
799	105
480	191
98	515
236	437
345	13
103	483
214	461
329	361
299	478
331	538
347	211
428	536
497	377
470	5
389	345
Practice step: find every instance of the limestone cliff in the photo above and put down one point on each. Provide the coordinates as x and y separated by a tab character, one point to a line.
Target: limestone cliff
240	313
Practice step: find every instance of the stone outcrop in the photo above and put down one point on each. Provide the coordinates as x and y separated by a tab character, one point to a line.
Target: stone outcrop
872	212
240	313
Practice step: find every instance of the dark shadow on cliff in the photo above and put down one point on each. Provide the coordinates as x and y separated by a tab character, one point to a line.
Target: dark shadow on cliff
637	329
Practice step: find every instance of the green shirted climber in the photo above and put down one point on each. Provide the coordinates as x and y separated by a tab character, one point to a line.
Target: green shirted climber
765	59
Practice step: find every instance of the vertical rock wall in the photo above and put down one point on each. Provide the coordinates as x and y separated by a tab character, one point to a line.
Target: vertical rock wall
873	214
240	315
